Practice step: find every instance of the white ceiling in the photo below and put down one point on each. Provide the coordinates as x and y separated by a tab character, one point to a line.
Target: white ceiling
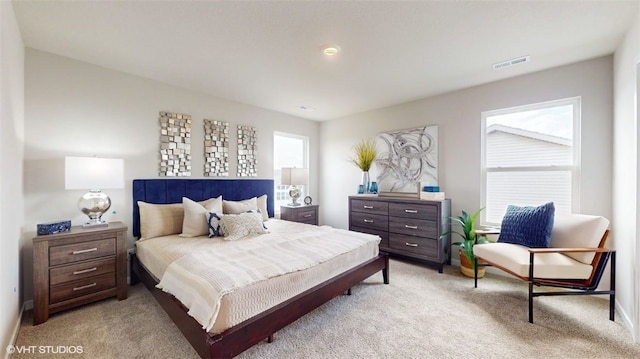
267	54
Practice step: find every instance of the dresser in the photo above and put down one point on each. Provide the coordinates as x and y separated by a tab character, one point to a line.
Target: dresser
408	227
302	214
78	267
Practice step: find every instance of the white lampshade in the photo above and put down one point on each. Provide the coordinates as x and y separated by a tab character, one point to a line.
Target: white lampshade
92	172
294	176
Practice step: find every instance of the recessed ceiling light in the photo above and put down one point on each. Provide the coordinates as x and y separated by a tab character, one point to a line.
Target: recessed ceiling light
306	108
330	49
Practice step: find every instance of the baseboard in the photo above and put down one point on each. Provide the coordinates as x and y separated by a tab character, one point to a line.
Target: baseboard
16	330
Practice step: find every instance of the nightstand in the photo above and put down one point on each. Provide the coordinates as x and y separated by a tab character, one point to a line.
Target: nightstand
302	214
78	267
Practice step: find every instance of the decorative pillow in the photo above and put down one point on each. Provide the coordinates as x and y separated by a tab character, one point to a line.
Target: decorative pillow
528	226
158	220
236	207
193	225
262	206
214	221
236	226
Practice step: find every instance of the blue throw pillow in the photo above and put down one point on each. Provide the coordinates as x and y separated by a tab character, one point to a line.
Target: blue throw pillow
528	226
213	219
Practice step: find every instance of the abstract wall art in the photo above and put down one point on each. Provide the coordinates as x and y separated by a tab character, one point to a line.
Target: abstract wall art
247	151
407	159
216	148
175	144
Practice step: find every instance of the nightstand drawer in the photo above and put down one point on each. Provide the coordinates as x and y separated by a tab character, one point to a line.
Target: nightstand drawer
81	251
306	215
82	270
82	287
414	245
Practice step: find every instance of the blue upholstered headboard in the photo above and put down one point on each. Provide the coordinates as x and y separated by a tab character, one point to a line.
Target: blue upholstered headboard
163	191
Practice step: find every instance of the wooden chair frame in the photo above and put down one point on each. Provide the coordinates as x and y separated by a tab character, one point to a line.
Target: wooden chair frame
570	286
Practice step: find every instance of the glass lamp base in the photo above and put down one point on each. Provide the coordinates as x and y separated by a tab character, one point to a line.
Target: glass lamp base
294	193
94	204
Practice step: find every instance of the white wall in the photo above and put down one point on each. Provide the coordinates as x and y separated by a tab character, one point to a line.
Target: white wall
11	153
75	108
457	115
625	178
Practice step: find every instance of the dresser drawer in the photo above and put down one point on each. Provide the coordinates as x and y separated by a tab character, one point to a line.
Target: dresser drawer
373	221
413	227
82	270
81	251
371	207
410	245
414	210
82	287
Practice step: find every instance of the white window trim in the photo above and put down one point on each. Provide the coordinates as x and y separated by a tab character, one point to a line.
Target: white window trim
305	158
575	169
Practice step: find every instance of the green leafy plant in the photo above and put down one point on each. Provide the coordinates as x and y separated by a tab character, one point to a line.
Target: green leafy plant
364	154
467	233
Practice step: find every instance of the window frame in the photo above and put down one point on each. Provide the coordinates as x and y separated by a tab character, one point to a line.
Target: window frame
575	168
305	160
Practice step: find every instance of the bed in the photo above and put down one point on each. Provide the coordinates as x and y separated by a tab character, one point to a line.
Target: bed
230	337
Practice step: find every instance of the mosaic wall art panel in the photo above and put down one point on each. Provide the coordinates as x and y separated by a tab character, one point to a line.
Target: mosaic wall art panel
175	144
216	148
247	151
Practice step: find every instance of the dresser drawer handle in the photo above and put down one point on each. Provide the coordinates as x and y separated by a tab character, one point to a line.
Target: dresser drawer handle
410	244
367	207
368	220
410	211
85	286
410	227
307	216
85	271
85	251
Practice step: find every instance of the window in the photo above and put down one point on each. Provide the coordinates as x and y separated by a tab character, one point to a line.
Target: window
288	151
531	156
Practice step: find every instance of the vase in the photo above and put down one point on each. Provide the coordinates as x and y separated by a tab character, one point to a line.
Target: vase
365	181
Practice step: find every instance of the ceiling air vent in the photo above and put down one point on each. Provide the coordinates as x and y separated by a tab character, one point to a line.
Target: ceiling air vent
516	61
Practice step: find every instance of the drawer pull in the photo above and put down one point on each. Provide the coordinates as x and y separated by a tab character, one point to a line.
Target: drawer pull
368	220
307	216
410	211
410	227
367	207
85	250
85	286
410	244
85	271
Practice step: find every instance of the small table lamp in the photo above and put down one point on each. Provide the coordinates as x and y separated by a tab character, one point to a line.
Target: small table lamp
294	177
93	173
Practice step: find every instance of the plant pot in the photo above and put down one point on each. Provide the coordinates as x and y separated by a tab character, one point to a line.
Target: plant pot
466	267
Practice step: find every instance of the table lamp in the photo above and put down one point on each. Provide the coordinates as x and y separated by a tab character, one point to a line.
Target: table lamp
294	177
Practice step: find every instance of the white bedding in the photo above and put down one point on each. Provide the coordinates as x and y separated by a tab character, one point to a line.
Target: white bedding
236	304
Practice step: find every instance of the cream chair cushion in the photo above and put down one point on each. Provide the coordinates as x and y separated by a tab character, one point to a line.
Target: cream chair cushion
515	258
578	231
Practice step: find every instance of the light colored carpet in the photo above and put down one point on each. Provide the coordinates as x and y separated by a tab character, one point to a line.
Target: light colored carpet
421	314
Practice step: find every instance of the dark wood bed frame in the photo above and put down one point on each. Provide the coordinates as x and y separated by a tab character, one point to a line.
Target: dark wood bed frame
241	337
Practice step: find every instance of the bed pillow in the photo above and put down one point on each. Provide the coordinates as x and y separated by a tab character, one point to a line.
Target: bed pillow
528	226
214	224
194	214
158	220
236	226
237	207
262	206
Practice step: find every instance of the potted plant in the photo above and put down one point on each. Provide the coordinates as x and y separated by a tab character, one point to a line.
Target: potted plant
468	235
364	154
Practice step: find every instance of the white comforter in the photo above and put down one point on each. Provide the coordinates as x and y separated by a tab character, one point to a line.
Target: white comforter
200	280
